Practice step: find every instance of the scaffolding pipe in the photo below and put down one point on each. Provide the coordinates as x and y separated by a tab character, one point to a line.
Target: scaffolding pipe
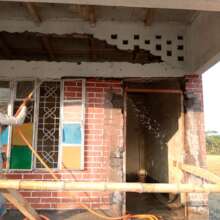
108	186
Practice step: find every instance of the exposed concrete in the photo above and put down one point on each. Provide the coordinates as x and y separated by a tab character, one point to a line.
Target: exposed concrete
47	11
170	67
203	47
102	30
121	30
73	48
206	5
56	70
201	39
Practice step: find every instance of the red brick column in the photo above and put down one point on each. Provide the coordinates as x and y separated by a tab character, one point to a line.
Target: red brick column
113	141
195	149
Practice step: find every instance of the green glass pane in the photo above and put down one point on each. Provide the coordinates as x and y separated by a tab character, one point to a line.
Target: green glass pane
21	157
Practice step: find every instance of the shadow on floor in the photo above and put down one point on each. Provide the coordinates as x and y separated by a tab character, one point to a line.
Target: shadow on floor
147	203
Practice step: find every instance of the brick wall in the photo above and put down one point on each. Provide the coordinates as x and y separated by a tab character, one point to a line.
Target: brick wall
195	133
100	117
104	146
195	149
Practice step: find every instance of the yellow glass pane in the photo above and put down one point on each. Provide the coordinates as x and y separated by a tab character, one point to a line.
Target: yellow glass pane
71	158
27	130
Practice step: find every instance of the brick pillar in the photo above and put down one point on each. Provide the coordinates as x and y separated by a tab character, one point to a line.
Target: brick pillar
195	149
113	141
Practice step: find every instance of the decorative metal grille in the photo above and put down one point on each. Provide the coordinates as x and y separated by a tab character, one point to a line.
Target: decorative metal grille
48	123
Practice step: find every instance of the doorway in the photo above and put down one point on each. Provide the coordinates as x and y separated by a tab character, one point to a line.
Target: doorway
154	140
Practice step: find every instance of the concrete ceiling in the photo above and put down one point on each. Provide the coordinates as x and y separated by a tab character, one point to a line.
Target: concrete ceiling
47	11
203	5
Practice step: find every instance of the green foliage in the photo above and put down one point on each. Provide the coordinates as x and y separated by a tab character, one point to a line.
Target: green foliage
212	132
213	144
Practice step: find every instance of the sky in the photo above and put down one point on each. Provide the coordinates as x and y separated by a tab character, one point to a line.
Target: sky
211	93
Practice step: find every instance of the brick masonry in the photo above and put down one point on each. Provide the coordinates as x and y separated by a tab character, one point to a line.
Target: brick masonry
195	132
101	117
104	147
195	149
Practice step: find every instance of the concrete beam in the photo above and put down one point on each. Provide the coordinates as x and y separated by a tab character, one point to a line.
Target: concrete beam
12	69
122	30
203	5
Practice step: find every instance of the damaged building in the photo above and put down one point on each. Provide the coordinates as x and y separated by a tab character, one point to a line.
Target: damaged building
117	97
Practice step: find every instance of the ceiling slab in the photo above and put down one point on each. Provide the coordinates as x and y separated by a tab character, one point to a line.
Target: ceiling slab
40	12
203	5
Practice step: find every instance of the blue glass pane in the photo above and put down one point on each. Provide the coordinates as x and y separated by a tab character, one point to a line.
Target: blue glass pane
4	136
72	134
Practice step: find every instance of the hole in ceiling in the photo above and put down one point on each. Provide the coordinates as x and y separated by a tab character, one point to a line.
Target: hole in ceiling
136	36
158	47
125	42
74	47
114	36
169	53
